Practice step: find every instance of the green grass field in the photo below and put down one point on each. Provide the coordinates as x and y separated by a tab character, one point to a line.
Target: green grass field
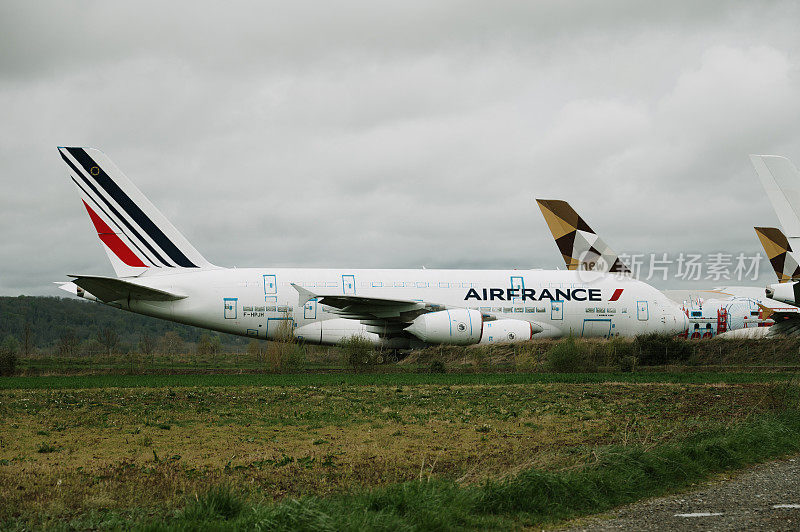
109	450
378	379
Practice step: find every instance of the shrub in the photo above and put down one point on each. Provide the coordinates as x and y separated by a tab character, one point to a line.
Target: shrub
657	349
219	502
209	344
90	347
255	349
627	364
359	353
8	355
284	356
437	366
570	356
616	353
171	343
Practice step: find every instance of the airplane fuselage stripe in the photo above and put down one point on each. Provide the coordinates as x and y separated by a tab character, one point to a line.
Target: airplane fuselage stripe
114	210
133	210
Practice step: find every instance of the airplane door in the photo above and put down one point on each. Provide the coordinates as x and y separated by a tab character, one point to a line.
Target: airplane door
270	285
310	310
596	328
556	310
642	311
230	305
519	284
349	285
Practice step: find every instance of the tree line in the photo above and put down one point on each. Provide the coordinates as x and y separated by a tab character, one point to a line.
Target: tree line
70	326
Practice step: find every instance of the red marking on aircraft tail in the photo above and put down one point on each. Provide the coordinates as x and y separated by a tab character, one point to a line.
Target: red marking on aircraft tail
113	241
616	294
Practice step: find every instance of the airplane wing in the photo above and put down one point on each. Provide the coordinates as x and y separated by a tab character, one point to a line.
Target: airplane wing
384	316
369	308
108	289
787	322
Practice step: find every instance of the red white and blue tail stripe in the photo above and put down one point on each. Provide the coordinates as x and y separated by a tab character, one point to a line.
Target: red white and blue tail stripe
135	235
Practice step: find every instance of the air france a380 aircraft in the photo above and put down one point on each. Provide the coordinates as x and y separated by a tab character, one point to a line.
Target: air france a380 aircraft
160	274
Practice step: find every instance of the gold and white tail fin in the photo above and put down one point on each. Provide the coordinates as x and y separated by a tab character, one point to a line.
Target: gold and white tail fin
581	248
779	252
781	182
134	233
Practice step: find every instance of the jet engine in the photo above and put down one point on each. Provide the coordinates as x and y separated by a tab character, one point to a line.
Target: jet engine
457	326
507	331
785	292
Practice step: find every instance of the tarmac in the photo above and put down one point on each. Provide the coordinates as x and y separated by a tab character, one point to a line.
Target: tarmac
763	497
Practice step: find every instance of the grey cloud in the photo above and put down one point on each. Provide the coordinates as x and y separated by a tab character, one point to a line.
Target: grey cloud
351	135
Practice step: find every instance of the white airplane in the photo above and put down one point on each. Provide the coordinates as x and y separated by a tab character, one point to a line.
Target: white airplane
160	274
730	310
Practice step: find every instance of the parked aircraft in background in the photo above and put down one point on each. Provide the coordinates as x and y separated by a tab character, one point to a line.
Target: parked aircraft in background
781	182
711	312
159	273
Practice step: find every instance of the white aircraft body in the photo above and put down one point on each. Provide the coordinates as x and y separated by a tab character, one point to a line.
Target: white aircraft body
710	312
160	274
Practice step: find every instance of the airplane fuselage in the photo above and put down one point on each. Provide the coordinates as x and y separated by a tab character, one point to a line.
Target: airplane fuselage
262	303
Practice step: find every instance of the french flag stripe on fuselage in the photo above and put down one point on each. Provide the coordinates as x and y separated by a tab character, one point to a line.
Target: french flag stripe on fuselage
616	294
133	210
133	231
102	210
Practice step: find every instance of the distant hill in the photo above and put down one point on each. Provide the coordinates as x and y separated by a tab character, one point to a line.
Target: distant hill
50	318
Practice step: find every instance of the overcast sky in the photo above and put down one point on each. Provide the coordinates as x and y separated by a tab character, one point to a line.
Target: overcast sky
397	134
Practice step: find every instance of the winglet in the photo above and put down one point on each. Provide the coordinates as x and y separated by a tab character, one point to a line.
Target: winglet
305	295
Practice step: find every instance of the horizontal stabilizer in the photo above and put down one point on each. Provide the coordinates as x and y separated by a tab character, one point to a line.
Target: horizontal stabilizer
108	289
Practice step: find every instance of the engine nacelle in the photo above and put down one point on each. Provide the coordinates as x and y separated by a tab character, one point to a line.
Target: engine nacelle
784	292
507	331
458	327
331	332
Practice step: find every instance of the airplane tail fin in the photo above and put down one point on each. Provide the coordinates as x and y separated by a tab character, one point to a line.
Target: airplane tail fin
779	252
781	181
134	233
581	248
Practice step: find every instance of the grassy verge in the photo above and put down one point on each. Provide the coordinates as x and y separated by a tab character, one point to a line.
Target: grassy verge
533	497
98	456
380	379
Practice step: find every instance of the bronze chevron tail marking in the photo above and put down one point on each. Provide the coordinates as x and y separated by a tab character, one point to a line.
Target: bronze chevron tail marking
779	252
579	245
